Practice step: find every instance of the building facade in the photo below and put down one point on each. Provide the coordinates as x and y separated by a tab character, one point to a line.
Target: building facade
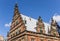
27	29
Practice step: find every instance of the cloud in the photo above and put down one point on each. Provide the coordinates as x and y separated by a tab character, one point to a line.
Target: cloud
56	17
8	24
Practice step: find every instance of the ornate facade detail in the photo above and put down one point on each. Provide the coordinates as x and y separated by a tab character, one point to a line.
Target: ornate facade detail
22	29
40	26
54	28
17	25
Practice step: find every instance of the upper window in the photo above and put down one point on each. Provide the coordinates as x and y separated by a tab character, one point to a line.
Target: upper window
18	32
15	17
16	22
41	31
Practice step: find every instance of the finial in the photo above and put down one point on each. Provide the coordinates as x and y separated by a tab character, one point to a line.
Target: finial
53	22
16	5
39	18
52	19
16	9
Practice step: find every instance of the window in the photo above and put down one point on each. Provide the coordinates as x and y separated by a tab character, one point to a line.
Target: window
18	32
22	39
15	17
14	34
41	28
41	40
25	21
32	39
41	31
19	40
48	40
16	22
54	34
11	35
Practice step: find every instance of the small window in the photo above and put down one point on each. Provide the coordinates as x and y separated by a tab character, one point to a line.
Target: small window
41	28
19	40
14	34
54	34
11	35
48	40
25	21
32	39
22	39
16	22
18	32
41	31
41	40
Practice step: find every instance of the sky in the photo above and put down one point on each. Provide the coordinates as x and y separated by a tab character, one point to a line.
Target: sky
32	8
